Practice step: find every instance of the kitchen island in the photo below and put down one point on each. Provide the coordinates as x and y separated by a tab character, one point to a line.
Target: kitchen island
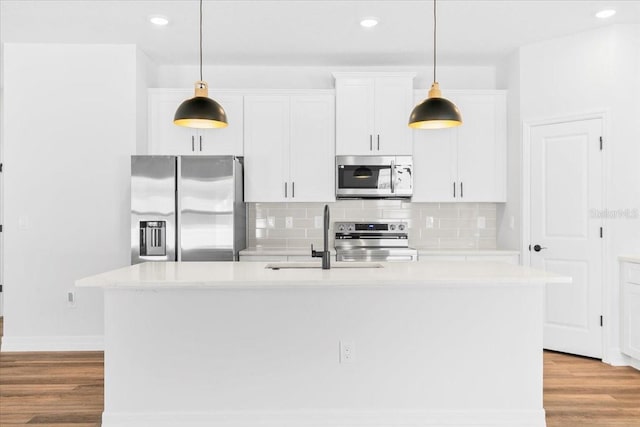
239	344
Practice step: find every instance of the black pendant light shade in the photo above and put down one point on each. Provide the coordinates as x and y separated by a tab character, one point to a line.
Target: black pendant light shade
362	172
200	111
435	112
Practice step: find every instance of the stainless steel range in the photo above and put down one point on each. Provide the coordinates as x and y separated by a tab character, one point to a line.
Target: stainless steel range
373	241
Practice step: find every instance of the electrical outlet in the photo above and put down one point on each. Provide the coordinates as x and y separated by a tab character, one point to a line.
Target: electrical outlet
429	222
318	221
71	298
347	352
271	222
288	222
482	222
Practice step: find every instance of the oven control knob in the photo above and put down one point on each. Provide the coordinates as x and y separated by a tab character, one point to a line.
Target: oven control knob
392	227
401	227
351	227
341	227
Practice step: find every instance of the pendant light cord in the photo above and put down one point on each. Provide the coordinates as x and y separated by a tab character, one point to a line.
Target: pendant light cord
200	40
434	41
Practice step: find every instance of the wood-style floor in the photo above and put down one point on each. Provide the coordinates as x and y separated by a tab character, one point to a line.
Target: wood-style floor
66	389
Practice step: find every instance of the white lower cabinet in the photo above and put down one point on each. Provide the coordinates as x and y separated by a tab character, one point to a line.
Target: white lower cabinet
465	163
630	302
289	148
166	138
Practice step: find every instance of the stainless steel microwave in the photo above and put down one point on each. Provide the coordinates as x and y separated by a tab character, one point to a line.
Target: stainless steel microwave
374	177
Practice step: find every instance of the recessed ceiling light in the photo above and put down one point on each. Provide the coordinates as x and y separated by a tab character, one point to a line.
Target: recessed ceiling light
159	20
369	22
607	13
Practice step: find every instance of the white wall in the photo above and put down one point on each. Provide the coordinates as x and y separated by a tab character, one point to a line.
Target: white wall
596	71
146	72
509	214
297	77
69	129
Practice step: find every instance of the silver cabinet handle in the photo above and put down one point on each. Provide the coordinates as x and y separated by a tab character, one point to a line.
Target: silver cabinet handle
454	189
285	189
461	190
200	142
293	189
378	142
193	146
370	142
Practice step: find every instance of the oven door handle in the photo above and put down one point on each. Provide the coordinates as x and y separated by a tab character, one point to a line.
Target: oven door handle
393	176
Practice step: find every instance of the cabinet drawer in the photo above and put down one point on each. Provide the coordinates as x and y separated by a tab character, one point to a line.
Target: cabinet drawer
633	273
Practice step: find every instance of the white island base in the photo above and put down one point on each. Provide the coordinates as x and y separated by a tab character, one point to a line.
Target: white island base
235	344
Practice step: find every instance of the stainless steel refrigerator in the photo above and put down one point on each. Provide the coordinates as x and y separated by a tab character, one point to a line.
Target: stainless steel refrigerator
187	208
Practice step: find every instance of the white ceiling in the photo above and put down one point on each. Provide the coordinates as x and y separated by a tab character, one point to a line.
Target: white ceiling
303	32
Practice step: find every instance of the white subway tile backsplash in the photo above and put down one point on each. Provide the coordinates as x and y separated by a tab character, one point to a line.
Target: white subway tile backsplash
431	225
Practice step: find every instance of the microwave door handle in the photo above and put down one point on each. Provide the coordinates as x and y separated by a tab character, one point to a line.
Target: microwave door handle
393	175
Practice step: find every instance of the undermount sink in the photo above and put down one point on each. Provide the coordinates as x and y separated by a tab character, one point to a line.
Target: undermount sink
290	265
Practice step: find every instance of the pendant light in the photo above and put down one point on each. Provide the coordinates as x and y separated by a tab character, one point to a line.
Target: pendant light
362	172
435	112
200	111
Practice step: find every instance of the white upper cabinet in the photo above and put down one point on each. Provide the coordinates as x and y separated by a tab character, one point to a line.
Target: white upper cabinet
466	163
289	147
372	112
168	139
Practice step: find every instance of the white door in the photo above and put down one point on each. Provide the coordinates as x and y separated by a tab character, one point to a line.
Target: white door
482	148
566	190
312	148
393	104
266	148
354	117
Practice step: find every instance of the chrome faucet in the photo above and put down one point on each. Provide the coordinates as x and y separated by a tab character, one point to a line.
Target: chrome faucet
325	254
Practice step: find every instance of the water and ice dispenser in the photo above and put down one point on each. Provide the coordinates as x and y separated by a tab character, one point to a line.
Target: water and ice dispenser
153	238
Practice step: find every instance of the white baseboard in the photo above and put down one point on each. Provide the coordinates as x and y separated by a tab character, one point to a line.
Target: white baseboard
52	343
343	418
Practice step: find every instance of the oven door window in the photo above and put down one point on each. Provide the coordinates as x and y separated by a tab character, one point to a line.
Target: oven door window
366	177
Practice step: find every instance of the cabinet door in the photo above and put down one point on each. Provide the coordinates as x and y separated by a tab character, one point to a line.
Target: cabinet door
226	141
266	148
434	164
165	138
312	152
354	116
631	310
393	104
482	147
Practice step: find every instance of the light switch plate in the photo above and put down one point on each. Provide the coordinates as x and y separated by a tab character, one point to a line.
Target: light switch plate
288	222
482	222
317	221
271	222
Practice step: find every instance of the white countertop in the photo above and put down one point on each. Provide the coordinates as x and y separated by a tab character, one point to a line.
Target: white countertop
281	251
253	251
252	275
630	258
463	252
